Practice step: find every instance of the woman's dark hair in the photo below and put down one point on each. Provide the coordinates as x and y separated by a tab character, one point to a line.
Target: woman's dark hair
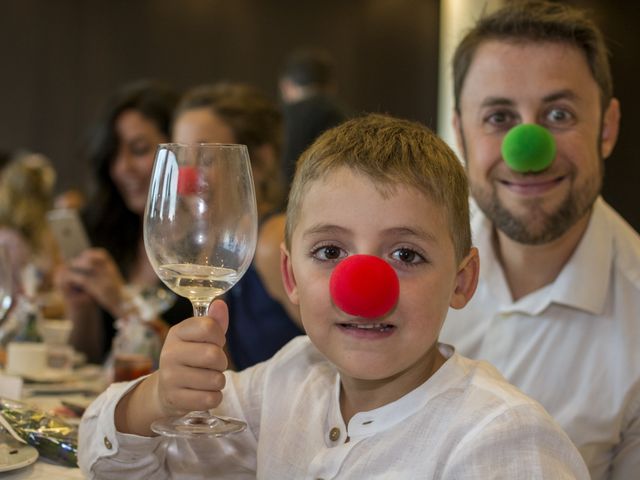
111	225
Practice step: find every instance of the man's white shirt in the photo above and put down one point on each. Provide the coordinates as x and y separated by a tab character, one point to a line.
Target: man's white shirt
573	345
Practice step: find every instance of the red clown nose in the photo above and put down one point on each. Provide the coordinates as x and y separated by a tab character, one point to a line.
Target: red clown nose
364	286
188	180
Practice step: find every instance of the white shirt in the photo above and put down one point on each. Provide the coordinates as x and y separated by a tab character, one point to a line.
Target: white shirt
464	422
573	345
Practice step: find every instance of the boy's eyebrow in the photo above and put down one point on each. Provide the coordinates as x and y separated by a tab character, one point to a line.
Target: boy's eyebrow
324	228
419	233
411	232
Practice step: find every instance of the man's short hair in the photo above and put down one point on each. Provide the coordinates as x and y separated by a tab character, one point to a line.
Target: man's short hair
537	21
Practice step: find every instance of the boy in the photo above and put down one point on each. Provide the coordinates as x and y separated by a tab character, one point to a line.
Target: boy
358	397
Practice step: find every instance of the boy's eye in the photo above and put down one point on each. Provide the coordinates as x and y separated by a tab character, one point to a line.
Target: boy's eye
328	252
406	255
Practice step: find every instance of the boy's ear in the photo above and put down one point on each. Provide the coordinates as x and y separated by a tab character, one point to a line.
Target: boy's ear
466	279
288	278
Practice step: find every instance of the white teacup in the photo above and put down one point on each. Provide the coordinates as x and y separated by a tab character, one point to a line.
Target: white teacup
26	358
55	332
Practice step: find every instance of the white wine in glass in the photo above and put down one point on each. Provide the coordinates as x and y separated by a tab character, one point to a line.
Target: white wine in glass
200	233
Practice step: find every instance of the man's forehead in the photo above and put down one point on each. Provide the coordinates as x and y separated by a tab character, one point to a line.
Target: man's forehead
503	70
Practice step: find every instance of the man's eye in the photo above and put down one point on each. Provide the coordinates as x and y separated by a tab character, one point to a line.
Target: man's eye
406	255
328	252
559	116
500	118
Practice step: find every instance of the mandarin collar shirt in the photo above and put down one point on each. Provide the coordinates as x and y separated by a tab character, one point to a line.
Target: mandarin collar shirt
573	345
464	422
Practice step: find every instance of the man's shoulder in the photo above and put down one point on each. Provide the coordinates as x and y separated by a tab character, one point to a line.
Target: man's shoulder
626	242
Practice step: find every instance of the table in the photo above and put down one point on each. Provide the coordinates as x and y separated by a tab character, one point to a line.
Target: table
47	396
43	469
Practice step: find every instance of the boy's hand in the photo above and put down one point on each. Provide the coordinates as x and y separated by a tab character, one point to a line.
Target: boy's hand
192	361
190	375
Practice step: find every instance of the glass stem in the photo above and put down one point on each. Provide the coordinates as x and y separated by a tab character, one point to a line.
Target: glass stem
200	309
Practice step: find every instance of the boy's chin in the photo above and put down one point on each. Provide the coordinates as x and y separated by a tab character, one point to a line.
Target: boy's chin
367	369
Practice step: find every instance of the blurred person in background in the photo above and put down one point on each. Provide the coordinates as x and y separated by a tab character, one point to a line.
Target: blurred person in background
307	86
96	285
26	195
262	319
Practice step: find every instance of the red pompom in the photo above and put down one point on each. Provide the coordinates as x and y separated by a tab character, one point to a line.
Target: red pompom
188	179
364	286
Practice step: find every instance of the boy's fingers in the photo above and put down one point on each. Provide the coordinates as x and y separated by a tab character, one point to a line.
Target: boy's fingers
186	400
220	312
202	355
197	379
199	329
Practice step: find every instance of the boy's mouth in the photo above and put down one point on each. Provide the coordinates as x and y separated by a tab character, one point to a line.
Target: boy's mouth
379	327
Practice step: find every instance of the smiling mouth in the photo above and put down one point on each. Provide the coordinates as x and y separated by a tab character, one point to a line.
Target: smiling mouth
532	185
378	327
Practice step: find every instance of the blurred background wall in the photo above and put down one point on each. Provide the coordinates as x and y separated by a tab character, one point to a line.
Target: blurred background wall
62	58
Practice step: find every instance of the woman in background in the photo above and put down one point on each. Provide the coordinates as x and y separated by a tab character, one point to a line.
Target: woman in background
262	319
96	284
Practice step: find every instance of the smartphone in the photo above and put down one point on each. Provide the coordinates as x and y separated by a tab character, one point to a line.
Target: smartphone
69	232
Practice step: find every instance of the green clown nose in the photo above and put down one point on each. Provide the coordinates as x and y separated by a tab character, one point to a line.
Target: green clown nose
528	148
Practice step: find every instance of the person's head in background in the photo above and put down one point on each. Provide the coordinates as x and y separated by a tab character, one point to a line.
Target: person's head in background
545	63
26	195
391	188
237	113
134	121
306	72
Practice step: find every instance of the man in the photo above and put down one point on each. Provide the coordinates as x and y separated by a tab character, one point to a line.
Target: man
558	304
306	85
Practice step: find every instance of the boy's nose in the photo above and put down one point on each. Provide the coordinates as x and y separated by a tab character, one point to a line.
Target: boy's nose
528	147
364	286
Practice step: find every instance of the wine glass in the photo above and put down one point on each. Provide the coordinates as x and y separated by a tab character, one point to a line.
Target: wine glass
200	233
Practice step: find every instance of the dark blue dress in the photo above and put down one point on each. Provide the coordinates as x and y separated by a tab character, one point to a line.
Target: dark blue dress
258	325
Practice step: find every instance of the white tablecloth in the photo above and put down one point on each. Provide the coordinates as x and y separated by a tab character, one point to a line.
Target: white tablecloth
42	470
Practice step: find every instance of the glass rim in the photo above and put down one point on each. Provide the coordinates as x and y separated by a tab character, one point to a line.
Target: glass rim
170	145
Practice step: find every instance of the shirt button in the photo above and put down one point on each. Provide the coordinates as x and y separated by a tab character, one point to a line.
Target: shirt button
107	443
334	434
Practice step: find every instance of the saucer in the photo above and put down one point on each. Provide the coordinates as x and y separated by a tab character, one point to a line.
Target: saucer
14	455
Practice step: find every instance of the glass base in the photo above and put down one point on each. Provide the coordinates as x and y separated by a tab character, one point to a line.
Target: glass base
198	424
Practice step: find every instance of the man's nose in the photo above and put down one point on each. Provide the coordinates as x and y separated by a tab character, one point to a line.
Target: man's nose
528	147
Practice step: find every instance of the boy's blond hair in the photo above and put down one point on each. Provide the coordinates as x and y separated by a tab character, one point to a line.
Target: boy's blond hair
390	152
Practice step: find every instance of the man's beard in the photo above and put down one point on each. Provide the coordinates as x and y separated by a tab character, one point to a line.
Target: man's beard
538	227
